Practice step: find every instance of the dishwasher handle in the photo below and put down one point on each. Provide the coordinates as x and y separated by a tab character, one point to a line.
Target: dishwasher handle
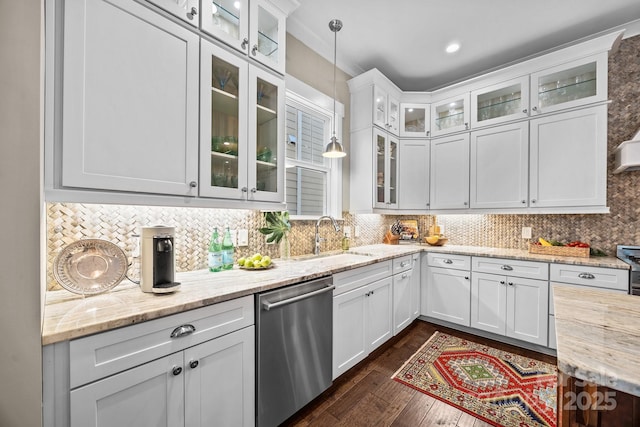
266	305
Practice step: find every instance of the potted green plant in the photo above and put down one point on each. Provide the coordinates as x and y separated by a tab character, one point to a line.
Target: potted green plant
277	230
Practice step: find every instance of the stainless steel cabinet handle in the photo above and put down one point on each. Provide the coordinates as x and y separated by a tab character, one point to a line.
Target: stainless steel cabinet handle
510	283
447	261
254	189
193	184
533	200
245	42
193	364
466	125
506	267
534	109
244	189
502	282
523	201
269	305
428	132
177	370
466	203
586	276
192	13
404	276
183	330
466	277
404	263
254	50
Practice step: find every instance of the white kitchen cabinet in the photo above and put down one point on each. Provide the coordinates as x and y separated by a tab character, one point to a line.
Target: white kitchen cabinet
240	127
386	110
362	313
187	10
499	172
386	170
568	159
450	115
512	306
413	174
256	28
414	120
211	383
416	282
573	84
446	292
403	292
500	103
449	172
129	100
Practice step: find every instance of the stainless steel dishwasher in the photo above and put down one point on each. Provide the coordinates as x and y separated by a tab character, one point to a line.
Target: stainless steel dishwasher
294	327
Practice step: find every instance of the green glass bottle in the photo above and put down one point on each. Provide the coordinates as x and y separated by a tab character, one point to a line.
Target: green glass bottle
227	251
215	252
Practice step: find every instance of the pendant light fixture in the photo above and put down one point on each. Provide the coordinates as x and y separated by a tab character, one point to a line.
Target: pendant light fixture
334	148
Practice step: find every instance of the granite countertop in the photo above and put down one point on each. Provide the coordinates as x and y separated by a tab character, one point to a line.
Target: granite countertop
68	316
598	336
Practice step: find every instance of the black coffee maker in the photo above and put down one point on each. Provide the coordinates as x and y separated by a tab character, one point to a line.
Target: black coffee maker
157	268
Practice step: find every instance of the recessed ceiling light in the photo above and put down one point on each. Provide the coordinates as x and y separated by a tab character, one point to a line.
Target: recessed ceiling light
452	47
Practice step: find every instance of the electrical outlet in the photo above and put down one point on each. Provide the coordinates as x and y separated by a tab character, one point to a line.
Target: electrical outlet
243	237
526	232
347	230
356	231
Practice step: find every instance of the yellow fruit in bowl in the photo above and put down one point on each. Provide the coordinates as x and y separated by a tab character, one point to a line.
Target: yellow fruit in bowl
432	240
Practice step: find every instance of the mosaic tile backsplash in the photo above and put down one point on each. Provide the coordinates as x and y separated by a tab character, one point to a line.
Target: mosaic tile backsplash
67	223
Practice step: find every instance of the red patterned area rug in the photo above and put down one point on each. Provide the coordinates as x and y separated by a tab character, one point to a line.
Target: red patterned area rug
499	387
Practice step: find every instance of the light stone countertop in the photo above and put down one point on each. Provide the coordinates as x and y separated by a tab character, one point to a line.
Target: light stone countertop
68	316
598	336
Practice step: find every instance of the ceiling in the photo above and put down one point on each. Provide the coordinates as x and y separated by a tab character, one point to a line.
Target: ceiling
406	39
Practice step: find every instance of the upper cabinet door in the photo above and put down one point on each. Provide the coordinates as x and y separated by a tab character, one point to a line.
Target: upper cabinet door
414	120
130	100
268	35
223	123
187	10
386	110
227	20
386	170
413	180
450	115
500	103
570	85
450	172
266	141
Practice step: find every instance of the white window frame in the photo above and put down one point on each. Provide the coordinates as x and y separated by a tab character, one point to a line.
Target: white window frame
305	97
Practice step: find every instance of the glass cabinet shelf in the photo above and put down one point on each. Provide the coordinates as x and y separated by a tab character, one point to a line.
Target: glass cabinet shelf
224	18
265	114
568	85
266	45
447	120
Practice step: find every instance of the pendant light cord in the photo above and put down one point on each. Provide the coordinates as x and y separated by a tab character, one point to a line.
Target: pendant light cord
335	51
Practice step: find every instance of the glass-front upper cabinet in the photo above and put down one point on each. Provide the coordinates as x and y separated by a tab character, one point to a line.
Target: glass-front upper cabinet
386	173
223	123
227	20
570	85
266	157
268	35
414	120
450	115
254	27
386	110
500	103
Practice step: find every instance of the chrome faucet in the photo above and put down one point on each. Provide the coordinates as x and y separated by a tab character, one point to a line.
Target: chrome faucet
316	251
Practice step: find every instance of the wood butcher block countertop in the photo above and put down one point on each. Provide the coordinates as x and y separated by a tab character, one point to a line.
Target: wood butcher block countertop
598	336
68	316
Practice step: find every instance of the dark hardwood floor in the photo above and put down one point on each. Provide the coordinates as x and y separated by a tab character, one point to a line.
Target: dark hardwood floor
367	396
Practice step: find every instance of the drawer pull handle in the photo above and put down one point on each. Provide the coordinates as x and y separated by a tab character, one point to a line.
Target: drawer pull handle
183	330
506	268
510	283
404	276
502	282
586	276
404	263
193	364
447	261
466	277
177	370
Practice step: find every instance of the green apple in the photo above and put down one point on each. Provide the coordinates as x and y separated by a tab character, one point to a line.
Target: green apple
248	264
256	257
265	262
241	261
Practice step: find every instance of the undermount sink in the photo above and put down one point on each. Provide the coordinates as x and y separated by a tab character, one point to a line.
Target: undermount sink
334	256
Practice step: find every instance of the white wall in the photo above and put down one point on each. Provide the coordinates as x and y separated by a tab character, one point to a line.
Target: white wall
20	213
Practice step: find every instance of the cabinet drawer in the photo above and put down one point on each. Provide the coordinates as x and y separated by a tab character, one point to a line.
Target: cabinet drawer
401	264
608	278
100	355
457	262
511	267
352	279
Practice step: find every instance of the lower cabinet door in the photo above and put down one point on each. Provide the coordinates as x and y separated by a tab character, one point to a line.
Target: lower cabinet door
489	302
449	295
349	320
528	310
220	381
148	395
379	320
402	301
